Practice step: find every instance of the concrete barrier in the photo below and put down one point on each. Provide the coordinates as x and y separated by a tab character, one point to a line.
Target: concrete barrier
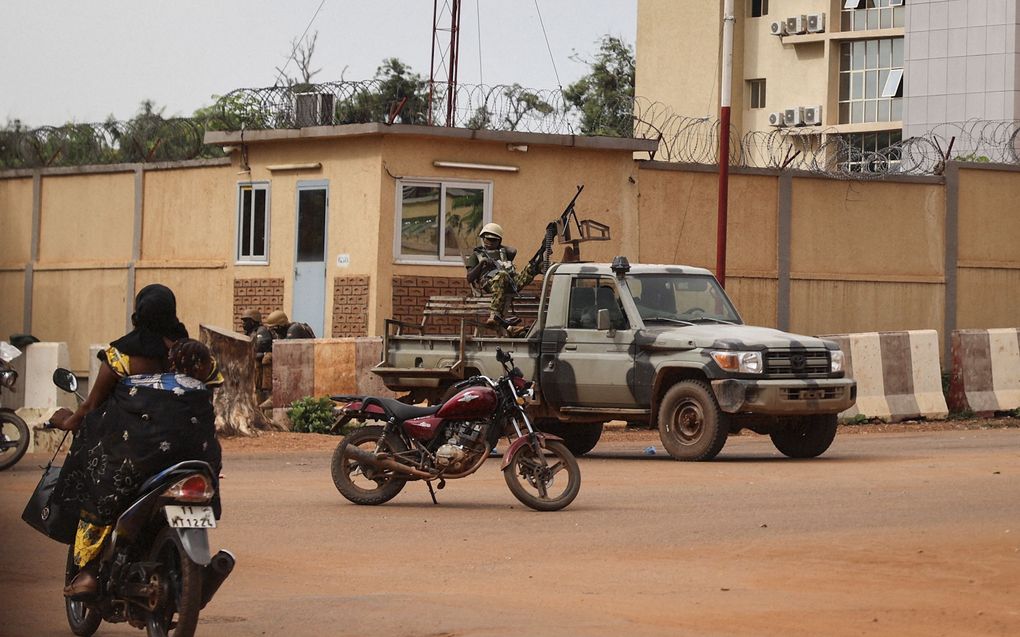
40	361
323	366
985	377
898	374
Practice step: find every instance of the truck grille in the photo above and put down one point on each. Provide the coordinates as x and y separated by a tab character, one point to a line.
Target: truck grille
797	363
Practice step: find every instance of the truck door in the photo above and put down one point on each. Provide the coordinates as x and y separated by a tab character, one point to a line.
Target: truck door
581	365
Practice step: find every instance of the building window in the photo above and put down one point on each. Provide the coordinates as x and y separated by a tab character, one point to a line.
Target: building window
863	15
440	221
871	81
759	8
756	89
253	222
872	152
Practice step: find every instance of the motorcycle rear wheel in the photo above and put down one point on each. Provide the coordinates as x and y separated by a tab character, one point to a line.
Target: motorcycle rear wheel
14	439
364	485
182	580
82	619
538	480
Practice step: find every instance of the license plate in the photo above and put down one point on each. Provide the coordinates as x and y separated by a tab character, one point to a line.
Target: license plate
188	517
812	394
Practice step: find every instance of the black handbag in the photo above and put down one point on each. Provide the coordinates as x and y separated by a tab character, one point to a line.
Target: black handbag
52	519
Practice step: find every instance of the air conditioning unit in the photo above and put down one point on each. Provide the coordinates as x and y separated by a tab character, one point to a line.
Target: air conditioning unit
313	109
812	115
778	28
796	25
815	22
777	119
794	116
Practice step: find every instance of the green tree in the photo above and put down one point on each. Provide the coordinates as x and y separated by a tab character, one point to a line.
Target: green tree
521	102
604	97
394	82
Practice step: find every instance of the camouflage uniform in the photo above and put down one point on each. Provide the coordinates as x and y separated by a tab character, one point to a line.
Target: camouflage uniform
502	281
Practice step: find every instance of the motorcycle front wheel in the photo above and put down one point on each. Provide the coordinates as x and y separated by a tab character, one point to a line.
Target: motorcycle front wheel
364	484
181	583
545	481
14	439
82	619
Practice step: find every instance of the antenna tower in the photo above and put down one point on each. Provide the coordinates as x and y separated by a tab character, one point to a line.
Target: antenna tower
444	57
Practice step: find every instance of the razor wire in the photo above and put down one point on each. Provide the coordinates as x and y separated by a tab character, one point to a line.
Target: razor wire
681	139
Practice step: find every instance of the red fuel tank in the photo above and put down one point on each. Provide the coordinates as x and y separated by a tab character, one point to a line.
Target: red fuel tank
469	403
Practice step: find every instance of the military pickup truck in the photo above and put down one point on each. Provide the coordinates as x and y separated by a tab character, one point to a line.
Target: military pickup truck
654	345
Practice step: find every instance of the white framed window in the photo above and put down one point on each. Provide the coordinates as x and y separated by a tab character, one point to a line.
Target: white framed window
756	89
864	15
872	152
253	222
438	221
871	81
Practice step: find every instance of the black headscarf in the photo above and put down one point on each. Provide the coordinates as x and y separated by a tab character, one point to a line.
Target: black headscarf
155	317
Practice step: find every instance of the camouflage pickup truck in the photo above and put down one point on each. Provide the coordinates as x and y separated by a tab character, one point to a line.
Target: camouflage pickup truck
654	345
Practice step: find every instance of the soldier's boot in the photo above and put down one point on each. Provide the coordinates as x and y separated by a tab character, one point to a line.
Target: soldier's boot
493	319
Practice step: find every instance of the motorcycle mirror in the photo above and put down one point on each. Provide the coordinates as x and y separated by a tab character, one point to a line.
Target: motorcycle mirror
502	356
64	379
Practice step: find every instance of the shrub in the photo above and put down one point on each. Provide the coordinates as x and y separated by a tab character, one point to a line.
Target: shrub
311	415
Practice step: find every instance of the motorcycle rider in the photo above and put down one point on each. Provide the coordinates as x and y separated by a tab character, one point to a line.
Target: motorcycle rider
142	414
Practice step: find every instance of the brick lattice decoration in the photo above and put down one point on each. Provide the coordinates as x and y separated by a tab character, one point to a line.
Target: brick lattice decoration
265	295
411	292
350	306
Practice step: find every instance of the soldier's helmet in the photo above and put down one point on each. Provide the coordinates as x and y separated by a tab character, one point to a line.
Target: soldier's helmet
492	229
252	314
277	318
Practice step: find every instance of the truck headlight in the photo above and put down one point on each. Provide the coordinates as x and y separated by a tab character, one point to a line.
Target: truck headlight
740	362
835	360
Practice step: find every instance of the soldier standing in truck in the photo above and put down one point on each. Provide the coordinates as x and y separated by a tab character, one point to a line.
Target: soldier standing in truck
490	269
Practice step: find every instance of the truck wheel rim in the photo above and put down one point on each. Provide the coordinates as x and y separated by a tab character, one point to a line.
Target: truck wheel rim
689	421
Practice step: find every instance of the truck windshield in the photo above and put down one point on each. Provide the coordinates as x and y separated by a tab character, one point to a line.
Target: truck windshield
681	297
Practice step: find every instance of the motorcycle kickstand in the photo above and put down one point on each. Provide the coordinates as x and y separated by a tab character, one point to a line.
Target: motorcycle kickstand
442	483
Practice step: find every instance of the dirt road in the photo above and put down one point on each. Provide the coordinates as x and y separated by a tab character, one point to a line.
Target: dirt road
900	533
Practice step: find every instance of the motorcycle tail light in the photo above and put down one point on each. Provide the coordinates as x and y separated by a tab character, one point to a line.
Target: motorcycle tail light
195	488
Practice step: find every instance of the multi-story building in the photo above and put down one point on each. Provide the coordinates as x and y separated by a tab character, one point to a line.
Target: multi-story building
870	71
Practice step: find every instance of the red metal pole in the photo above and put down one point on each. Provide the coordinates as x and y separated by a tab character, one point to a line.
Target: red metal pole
725	91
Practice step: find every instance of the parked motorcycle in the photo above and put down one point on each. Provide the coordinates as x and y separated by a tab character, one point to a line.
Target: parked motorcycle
372	464
14	432
156	571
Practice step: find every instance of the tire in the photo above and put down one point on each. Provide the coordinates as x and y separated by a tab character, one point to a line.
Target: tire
806	439
82	619
14	439
182	594
691	425
360	485
579	437
530	476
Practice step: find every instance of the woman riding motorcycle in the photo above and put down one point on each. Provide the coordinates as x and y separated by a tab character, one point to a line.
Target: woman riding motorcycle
149	408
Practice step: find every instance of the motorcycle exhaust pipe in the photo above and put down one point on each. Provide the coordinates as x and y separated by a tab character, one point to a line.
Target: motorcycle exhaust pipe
374	461
215	573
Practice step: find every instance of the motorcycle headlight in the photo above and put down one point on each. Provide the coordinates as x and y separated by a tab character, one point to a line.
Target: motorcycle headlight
835	360
739	362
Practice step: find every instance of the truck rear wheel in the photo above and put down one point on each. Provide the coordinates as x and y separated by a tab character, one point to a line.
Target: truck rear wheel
806	439
691	425
579	437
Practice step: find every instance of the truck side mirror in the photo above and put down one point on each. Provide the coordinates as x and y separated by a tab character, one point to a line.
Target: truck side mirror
602	320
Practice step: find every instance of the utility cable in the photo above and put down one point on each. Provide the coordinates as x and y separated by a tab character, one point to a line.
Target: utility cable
478	18
297	43
549	48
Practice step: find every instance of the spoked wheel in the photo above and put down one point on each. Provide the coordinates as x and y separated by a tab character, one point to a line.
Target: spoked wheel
363	484
82	619
545	481
14	439
179	582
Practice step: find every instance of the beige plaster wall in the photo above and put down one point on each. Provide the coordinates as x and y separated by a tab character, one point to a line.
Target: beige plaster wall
80	307
842	307
87	218
204	294
179	202
12	291
15	221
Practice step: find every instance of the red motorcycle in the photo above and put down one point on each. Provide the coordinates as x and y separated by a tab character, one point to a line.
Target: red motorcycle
452	440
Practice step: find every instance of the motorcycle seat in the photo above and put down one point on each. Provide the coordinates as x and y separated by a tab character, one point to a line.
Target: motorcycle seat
403	411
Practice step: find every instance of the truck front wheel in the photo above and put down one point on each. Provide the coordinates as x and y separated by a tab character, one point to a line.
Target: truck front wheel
805	439
691	425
